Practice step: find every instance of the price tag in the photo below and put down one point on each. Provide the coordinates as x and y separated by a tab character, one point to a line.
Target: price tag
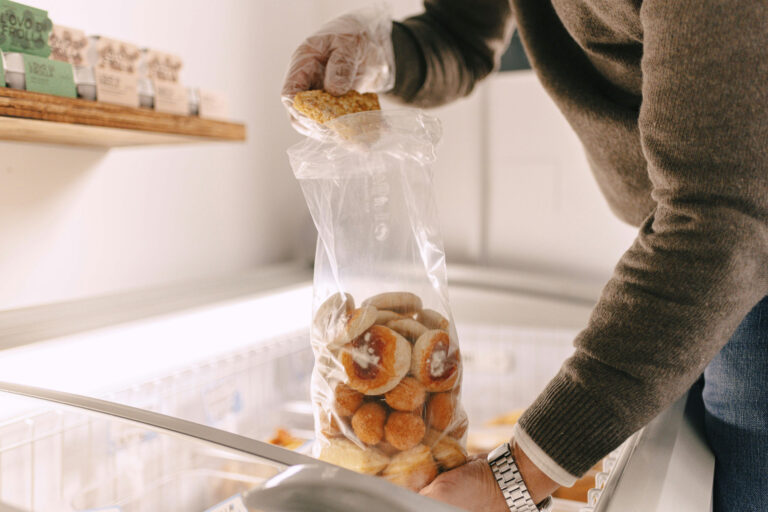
233	504
171	97
49	76
117	87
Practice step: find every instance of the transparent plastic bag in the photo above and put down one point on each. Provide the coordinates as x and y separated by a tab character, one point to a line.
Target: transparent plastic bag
387	375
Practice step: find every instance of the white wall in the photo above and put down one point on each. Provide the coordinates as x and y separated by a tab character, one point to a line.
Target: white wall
511	182
82	222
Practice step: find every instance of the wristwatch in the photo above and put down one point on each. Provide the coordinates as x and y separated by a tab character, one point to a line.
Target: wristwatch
507	475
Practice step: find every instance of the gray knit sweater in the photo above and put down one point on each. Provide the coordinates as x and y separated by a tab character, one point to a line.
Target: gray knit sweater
670	101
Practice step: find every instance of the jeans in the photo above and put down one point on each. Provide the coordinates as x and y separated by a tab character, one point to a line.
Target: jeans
735	399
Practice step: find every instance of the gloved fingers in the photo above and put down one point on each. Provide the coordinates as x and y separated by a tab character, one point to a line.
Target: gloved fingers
343	63
307	67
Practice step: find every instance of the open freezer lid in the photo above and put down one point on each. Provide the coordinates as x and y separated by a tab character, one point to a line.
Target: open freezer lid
68	452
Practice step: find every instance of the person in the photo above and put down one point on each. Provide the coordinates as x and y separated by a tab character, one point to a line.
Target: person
669	100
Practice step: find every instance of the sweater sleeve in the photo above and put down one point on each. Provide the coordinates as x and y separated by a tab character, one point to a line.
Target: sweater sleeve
441	54
700	260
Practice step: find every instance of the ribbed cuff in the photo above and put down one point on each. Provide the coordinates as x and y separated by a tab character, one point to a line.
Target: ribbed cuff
571	427
540	459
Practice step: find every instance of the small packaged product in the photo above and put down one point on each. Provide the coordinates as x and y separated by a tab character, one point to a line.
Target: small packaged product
387	376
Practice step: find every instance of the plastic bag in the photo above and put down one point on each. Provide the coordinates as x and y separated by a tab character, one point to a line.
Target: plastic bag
387	374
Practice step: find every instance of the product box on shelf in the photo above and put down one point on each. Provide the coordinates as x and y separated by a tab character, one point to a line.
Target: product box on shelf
39	74
115	66
24	29
159	84
69	45
213	105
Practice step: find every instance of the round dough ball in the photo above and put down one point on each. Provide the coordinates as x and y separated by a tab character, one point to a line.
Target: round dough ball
368	422
409	395
440	408
404	430
346	400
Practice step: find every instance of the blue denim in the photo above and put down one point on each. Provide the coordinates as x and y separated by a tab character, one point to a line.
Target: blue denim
735	399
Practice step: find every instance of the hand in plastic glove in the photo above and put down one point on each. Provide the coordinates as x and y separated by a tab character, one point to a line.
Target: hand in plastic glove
353	51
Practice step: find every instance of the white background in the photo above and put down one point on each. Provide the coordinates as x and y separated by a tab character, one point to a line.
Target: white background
511	181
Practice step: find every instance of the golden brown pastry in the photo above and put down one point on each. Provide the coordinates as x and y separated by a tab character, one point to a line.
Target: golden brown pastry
385	316
440	408
285	439
346	400
446	450
435	362
347	454
404	430
331	317
368	422
358	321
322	107
376	361
387	449
431	319
459	427
413	468
330	424
409	395
409	328
400	302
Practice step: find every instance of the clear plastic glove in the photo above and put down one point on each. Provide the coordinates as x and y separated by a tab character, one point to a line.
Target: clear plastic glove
353	51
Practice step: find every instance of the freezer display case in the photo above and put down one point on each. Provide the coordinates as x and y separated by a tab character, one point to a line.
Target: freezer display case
254	383
74	453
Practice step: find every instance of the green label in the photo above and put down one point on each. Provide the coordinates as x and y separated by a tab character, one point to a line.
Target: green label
24	29
49	76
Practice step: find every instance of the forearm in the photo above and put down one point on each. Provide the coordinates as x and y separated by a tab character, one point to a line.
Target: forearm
440	55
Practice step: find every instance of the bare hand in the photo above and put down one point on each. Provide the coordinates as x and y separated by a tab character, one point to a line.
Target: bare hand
471	487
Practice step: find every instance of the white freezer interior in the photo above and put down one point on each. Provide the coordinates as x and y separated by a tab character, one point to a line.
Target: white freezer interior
244	366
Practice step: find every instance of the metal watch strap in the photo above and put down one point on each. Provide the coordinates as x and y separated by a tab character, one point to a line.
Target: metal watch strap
511	482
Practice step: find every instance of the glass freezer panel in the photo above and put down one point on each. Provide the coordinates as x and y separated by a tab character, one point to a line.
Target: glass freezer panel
60	458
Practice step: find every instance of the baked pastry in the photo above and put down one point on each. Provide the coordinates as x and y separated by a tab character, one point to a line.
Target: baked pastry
358	321
435	362
404	430
368	422
331	317
460	425
387	449
431	319
409	328
330	424
408	396
446	450
346	400
347	454
285	439
322	106
413	468
377	361
440	408
399	302
385	316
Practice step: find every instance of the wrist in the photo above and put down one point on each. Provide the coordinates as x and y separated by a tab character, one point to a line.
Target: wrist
538	483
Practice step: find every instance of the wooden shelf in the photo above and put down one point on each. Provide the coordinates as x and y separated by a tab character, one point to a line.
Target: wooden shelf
34	117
